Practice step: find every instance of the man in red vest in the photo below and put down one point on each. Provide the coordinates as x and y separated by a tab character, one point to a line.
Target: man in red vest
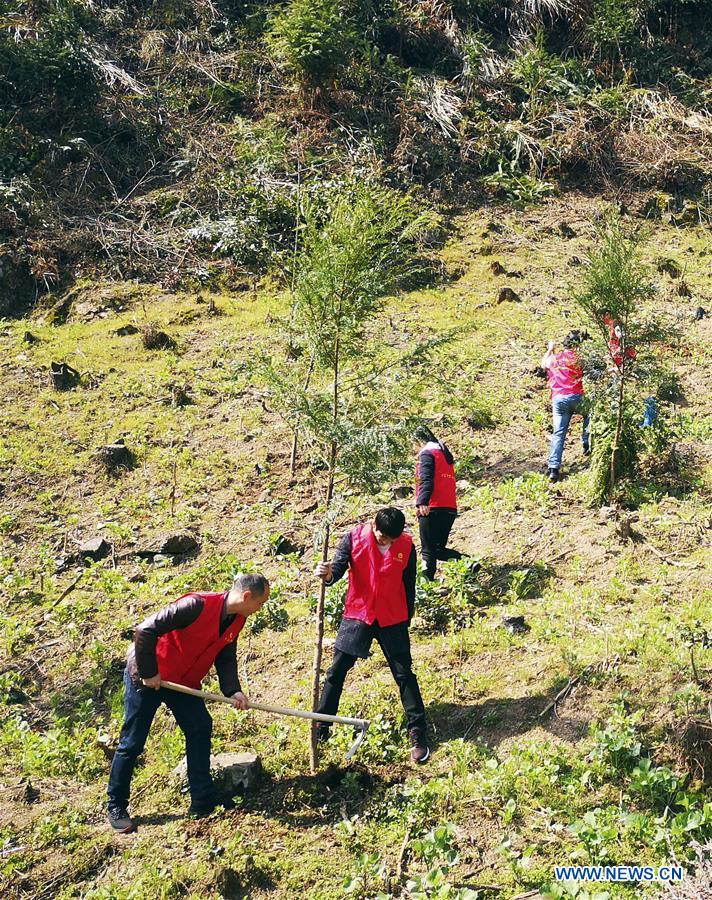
180	643
379	604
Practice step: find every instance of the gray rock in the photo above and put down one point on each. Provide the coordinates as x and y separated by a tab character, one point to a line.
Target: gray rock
606	513
95	548
115	456
283	546
62	376
178	544
161	560
234	773
515	624
463	484
401	491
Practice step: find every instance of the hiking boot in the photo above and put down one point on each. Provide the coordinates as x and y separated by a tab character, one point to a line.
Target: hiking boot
420	751
120	820
553	475
201	810
474	567
323	732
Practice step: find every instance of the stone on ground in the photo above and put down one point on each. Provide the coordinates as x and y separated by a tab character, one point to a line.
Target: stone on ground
233	773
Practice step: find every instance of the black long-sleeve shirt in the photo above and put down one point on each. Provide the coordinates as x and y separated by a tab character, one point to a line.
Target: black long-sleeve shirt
141	658
342	560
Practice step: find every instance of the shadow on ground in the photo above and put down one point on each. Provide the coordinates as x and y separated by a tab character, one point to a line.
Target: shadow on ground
307	800
499	718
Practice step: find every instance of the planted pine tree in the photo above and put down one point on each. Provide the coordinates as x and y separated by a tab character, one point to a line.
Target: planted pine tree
347	392
624	367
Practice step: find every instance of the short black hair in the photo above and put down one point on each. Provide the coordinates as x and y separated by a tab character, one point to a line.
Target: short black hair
390	521
575	338
252	582
424	434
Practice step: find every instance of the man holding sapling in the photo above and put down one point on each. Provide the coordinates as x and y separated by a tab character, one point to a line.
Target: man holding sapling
379	605
180	643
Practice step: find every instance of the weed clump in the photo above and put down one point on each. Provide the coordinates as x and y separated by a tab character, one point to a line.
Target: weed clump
153	338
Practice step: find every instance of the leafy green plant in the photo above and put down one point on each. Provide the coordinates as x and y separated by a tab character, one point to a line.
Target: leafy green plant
436	848
617	743
314	38
271	617
517	187
369	873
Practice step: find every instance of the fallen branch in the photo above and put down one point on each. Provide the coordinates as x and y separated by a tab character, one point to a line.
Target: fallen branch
668	559
401	855
68	590
564	692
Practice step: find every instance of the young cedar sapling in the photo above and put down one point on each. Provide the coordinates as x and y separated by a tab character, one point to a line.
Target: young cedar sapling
346	397
613	293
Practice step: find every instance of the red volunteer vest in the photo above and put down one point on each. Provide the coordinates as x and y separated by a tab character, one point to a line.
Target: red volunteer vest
376	590
185	655
444	490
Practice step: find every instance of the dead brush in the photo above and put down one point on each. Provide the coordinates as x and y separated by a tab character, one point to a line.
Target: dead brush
698	883
664	142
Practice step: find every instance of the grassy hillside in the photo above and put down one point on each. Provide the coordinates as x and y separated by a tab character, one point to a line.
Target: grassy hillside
519	780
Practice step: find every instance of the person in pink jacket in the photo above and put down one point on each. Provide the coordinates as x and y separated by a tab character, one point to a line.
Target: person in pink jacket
565	374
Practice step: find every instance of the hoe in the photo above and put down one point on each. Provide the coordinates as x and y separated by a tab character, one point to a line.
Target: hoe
360	724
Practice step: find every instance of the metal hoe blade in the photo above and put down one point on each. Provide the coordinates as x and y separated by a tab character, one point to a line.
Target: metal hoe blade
357	743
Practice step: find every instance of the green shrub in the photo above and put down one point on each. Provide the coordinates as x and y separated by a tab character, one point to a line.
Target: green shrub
272	617
314	39
603	432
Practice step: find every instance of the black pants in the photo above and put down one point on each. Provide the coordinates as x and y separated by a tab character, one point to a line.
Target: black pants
434	533
400	665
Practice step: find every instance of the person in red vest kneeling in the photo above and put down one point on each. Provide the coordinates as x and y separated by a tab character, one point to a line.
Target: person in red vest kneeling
379	604
435	499
180	643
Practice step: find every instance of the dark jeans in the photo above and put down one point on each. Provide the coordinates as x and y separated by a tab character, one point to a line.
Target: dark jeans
400	665
194	721
434	533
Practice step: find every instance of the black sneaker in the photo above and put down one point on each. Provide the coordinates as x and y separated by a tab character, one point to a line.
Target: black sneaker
120	820
420	752
474	567
322	733
201	810
553	475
